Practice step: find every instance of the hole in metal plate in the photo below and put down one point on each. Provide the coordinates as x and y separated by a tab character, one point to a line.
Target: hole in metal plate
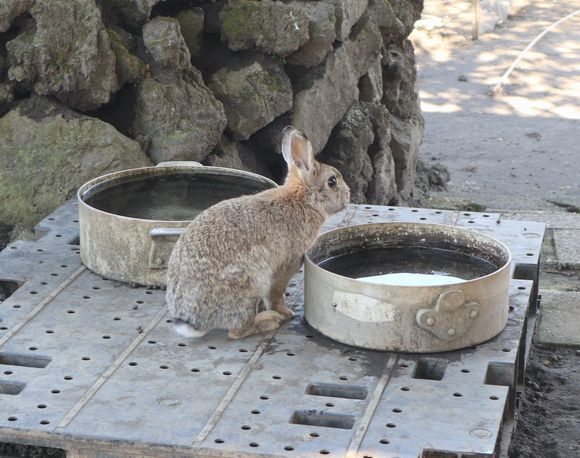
11	359
12	388
8	288
337	391
76	240
324	419
439	454
430	369
525	271
501	374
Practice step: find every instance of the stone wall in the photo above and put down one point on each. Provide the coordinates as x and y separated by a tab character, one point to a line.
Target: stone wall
91	86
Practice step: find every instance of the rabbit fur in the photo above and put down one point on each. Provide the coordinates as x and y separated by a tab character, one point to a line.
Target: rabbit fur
230	268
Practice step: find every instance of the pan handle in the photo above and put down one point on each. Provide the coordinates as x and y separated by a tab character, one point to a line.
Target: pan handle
157	232
163	239
179	164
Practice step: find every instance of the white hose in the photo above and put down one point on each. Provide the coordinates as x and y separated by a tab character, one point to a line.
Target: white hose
497	89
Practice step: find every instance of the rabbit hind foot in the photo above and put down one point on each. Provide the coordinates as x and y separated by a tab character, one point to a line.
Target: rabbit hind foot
266	321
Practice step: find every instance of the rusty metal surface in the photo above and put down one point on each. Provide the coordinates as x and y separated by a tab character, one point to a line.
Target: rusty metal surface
92	366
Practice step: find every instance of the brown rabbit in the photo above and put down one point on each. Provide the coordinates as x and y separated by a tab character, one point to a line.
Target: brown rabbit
230	268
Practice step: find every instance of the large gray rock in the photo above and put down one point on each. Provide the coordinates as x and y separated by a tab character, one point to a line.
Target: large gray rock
371	84
322	33
6	97
382	187
48	151
347	12
407	105
191	22
67	54
164	41
393	68
347	151
266	26
10	10
360	148
134	12
129	68
399	77
178	119
406	136
391	27
407	11
253	92
330	89
235	155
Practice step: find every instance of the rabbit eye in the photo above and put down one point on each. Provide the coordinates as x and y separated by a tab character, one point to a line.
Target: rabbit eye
332	181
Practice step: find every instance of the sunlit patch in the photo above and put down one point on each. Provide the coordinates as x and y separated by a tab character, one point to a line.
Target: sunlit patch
429	107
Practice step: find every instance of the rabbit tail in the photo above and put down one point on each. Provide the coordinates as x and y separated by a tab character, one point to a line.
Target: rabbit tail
185	329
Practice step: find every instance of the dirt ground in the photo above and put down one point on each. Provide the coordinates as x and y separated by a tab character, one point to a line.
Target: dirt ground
549	411
515	151
518	150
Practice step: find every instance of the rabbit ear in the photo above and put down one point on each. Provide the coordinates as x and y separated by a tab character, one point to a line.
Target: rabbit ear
297	150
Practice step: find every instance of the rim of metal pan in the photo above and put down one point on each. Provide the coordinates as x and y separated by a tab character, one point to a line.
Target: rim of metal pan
353	281
112	179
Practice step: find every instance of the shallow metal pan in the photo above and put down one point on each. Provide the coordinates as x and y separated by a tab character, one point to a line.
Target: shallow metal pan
120	236
407	318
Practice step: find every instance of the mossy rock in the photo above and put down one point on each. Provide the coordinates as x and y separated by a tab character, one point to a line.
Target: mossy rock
130	69
266	26
65	53
254	93
48	151
179	119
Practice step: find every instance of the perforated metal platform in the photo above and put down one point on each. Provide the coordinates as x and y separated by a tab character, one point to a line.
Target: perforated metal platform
93	367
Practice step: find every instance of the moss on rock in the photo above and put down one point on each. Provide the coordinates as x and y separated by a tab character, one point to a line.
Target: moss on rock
47	152
270	27
130	69
254	93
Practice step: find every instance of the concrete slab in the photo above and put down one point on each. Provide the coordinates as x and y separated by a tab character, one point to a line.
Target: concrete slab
559	321
567	243
561	248
553	220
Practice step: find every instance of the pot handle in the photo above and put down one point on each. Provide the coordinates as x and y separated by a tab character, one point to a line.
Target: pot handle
179	164
164	239
451	317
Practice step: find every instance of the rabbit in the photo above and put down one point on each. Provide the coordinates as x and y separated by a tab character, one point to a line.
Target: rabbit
230	268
